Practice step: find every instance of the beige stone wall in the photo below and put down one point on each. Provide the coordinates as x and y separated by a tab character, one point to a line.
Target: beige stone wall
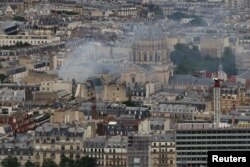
44	148
150	52
115	92
136	76
163	154
67	117
44	97
37	78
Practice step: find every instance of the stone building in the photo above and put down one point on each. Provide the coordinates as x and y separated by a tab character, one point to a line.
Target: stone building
230	98
163	150
150	59
55	140
67	116
114	92
36	77
94	147
20	147
116	151
213	46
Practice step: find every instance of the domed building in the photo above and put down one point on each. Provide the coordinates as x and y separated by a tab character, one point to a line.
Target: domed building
150	46
150	55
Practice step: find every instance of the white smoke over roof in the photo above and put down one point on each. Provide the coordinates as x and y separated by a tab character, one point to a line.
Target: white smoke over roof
85	62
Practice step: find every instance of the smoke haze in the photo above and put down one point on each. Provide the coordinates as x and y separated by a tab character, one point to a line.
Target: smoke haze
85	62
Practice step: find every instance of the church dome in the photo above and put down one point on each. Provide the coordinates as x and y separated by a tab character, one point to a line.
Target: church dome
149	32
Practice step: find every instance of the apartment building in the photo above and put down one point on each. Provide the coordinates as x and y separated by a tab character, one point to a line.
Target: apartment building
237	4
58	140
7	40
230	98
20	147
116	151
194	139
163	150
15	74
94	147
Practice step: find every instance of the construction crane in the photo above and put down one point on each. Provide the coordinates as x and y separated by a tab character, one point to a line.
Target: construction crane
216	94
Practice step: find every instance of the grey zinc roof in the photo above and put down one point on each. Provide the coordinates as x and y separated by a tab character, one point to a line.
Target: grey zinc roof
149	32
50	129
244	75
117	141
164	137
96	142
191	80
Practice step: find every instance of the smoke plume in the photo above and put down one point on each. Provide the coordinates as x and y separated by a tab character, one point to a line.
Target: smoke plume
86	61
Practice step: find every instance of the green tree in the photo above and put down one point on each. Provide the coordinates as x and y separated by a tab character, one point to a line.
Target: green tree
198	21
228	61
177	16
49	163
67	162
10	162
2	78
129	103
188	60
29	164
19	18
89	162
86	162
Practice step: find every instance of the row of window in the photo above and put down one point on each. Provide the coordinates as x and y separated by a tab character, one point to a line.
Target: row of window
214	148
192	159
224	132
212	137
212	142
35	42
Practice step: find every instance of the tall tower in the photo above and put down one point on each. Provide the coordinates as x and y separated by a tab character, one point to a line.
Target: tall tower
217	112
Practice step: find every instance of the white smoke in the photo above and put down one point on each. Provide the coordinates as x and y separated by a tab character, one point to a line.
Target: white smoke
85	62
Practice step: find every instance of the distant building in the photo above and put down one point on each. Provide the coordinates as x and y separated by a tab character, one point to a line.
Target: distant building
115	92
154	125
6	40
54	86
36	77
230	98
12	96
15	74
237	4
44	98
150	57
67	116
20	147
213	46
8	11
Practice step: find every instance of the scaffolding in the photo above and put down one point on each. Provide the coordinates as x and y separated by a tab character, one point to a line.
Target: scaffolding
138	150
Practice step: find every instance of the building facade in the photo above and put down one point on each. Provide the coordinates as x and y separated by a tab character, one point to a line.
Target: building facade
6	40
193	140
